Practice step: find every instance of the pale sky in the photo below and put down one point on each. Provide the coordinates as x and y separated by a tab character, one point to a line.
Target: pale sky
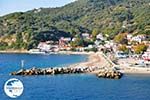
10	6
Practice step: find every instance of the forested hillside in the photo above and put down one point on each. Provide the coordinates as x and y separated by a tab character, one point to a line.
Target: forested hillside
23	29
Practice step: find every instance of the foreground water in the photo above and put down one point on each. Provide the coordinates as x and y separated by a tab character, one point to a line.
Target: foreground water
72	87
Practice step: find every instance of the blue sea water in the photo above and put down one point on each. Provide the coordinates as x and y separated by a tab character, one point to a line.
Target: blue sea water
12	62
70	87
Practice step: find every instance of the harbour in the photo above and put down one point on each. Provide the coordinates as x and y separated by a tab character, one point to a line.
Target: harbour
91	66
73	86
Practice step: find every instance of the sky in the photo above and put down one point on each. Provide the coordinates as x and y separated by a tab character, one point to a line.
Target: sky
10	6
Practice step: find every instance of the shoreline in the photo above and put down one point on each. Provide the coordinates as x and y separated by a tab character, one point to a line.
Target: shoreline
14	51
136	70
95	62
60	52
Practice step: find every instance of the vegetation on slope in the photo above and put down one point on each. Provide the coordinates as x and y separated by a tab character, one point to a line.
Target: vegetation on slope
107	16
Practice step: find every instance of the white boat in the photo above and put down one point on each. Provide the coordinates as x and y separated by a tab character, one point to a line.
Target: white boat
36	51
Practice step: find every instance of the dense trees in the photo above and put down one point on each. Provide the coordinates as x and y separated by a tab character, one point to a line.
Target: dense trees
121	38
95	32
3	45
140	48
123	48
107	16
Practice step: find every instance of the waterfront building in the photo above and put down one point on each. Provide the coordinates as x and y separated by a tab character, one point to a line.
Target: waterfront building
43	46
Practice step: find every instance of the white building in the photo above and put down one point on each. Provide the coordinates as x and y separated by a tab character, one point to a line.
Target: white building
97	42
100	36
86	35
90	46
129	36
74	39
65	39
138	38
44	46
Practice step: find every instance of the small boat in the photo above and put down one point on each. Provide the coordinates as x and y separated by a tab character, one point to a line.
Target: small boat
36	51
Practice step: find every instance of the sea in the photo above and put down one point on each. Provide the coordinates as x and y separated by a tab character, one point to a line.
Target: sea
69	87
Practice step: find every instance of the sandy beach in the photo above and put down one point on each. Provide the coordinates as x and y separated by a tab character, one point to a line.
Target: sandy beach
128	66
96	62
135	70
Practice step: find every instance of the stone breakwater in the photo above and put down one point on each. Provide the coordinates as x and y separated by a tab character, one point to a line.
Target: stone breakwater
112	74
50	71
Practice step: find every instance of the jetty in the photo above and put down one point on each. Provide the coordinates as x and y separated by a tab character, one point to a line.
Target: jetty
50	71
112	74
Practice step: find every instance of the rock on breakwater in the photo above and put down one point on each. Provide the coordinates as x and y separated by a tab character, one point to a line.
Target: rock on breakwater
111	74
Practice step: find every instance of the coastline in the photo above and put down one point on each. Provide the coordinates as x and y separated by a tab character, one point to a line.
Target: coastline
127	66
136	70
95	62
60	52
14	51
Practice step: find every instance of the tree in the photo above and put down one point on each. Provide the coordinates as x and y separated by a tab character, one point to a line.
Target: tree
123	48
92	16
32	44
121	38
78	41
138	49
3	45
95	32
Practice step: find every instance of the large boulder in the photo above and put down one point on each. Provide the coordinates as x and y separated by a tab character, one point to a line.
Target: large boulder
112	74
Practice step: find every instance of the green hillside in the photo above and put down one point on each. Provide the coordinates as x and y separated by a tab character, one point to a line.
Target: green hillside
23	30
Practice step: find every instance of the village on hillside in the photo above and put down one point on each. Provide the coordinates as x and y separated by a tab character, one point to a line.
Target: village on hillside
124	48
